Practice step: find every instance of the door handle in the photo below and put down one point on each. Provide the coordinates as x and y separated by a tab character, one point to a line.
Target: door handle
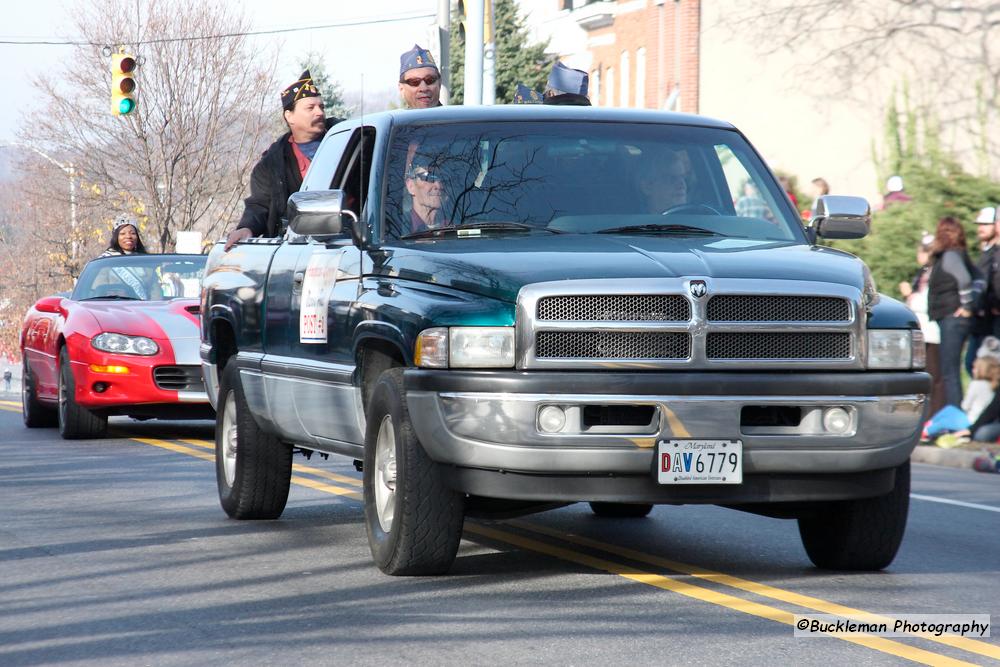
299	277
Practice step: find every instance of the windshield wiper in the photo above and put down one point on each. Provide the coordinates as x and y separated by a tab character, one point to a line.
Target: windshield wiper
475	229
670	229
114	297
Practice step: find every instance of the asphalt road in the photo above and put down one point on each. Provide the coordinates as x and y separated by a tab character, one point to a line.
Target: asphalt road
116	552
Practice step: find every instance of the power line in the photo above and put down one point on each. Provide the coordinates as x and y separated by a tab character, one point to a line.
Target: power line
251	33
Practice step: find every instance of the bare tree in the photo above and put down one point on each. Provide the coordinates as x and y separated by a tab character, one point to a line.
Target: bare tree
948	51
181	160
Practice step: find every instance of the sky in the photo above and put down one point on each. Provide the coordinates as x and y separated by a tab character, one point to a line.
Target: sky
358	55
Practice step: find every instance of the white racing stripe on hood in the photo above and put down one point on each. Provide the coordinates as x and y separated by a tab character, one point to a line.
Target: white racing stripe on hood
183	334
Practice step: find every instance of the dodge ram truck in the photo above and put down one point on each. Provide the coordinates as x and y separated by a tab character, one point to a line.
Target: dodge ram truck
500	310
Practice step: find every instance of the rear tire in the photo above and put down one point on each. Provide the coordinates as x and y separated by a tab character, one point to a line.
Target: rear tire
860	534
253	469
621	510
35	413
413	519
75	422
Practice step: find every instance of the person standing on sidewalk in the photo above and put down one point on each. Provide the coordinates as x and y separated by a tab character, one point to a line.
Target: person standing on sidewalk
986	319
7	376
915	293
953	293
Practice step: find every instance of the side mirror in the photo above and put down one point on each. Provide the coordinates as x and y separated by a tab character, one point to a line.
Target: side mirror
840	217
50	304
319	213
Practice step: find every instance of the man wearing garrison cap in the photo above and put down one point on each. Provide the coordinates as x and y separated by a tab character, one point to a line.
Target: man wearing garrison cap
567	86
283	165
419	79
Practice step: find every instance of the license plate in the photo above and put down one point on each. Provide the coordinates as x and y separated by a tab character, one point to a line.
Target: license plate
699	462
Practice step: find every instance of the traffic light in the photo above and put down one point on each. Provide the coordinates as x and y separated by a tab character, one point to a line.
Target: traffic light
122	83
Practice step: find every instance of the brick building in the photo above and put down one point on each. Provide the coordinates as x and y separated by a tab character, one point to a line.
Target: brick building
639	53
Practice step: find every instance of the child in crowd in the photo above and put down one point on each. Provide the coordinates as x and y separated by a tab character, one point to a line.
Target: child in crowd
985	379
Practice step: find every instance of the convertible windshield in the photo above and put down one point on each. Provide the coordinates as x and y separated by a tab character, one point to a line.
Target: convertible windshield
582	177
141	278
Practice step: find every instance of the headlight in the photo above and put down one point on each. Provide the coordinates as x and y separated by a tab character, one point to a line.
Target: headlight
122	344
465	347
890	348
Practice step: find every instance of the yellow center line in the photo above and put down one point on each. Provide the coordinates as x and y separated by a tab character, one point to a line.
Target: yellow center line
764	590
653	579
4	407
708	595
15	404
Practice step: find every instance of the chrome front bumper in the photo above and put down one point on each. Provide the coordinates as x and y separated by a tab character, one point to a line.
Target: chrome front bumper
461	423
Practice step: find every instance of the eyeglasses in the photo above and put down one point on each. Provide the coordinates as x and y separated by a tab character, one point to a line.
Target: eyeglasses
430	80
426	176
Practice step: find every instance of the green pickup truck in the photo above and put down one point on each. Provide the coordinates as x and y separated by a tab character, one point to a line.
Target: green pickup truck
500	310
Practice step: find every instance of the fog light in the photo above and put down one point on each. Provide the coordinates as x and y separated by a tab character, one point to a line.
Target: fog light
100	387
836	420
551	419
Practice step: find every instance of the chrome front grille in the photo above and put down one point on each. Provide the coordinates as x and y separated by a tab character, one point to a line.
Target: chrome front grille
658	323
758	308
778	345
179	378
615	308
613	345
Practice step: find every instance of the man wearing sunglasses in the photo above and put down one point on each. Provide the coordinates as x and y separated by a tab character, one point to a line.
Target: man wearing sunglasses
283	165
423	182
419	79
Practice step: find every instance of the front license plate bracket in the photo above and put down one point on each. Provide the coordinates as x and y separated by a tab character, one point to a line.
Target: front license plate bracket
699	461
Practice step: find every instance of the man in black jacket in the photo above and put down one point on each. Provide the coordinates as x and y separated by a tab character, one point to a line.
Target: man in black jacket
986	320
283	165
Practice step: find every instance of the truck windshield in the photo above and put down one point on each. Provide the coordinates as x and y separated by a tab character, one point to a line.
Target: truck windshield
583	178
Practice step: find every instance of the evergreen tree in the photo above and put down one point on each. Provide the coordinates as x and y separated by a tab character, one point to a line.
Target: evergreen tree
330	89
517	61
939	187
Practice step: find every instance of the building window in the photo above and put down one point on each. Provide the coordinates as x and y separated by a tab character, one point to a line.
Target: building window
595	87
623	67
640	77
609	85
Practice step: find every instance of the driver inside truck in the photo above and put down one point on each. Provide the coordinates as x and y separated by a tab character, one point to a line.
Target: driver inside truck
664	180
424	183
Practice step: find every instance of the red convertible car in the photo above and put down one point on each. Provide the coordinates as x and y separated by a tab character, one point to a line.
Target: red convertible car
124	342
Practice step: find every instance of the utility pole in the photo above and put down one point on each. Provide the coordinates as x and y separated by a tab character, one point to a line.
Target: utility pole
475	15
489	57
444	47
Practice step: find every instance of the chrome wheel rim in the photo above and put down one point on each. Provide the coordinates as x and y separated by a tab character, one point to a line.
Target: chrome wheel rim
385	474
25	396
229	439
63	396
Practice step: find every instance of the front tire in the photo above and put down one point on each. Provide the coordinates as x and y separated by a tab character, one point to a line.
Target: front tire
860	534
34	412
413	519
75	421
621	510
253	469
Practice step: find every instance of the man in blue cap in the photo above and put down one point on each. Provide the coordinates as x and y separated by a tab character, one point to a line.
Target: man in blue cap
567	86
419	79
281	168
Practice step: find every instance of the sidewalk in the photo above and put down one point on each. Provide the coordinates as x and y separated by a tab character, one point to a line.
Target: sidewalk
956	457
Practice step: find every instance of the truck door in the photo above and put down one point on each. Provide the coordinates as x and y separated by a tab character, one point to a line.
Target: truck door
326	288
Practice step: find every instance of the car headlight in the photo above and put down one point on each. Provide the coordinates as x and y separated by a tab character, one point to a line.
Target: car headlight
465	347
122	344
895	348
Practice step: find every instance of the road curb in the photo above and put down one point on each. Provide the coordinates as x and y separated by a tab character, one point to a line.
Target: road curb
953	458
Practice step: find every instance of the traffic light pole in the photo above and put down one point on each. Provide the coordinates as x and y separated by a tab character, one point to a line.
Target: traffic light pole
71	172
474	13
444	46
